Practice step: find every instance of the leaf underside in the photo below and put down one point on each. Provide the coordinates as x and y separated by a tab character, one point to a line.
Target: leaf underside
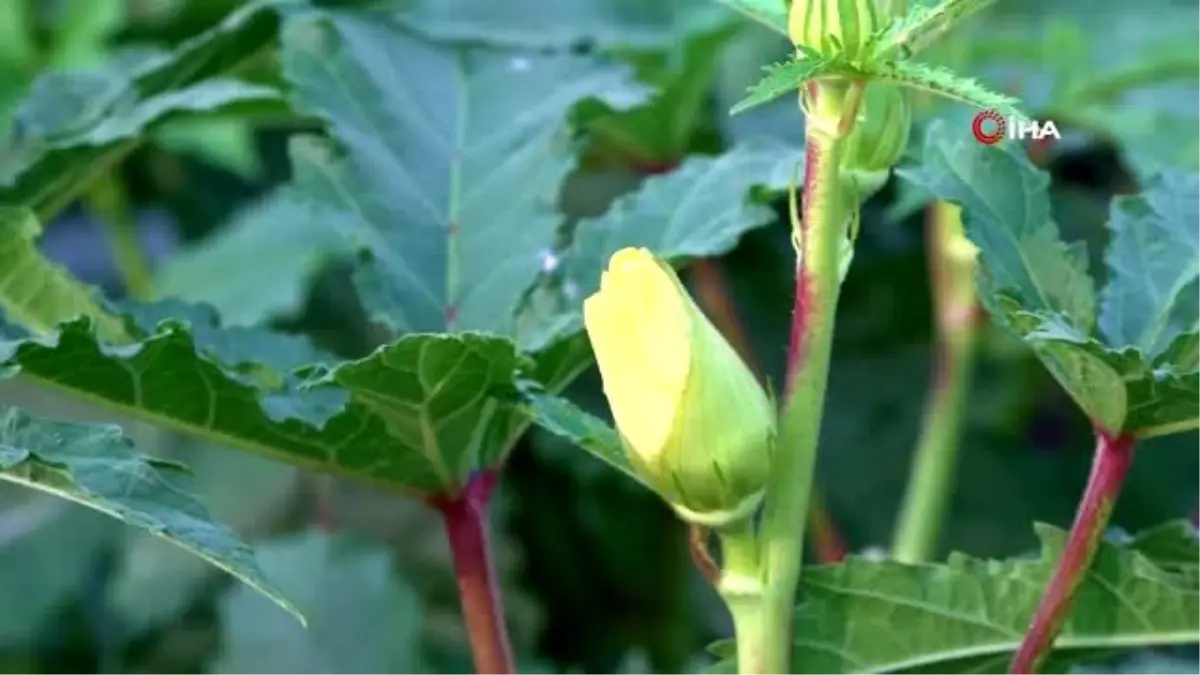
96	466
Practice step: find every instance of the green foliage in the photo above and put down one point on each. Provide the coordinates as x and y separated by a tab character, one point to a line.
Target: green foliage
73	125
97	467
1134	374
968	615
429	189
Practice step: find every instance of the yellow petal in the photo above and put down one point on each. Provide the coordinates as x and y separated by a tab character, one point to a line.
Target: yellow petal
639	329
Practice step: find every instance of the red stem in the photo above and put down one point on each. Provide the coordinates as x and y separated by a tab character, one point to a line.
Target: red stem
465	519
1114	455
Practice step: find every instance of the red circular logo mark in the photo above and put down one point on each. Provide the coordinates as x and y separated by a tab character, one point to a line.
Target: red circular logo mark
989	127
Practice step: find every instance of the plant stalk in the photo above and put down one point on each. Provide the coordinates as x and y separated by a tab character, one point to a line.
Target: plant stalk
740	586
713	293
936	458
822	225
465	519
1114	455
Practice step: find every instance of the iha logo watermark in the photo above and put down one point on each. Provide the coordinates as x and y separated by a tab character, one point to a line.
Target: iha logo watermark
990	127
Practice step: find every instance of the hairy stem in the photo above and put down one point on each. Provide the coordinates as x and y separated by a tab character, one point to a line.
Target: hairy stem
107	200
713	293
822	228
740	586
931	480
465	519
1114	455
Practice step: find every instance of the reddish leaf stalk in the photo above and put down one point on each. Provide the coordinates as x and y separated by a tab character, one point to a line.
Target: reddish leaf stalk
465	519
1114	455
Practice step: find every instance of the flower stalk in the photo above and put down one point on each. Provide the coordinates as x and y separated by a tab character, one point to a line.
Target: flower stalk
818	234
1114	456
466	521
952	272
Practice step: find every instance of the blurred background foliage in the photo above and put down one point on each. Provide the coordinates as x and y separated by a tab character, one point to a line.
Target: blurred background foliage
596	573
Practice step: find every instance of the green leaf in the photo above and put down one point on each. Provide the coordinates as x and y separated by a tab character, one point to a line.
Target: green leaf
451	188
1007	215
548	24
157	583
258	266
787	77
1153	290
362	619
37	293
924	25
74	126
97	467
701	209
1038	287
404	417
770	13
969	615
571	423
941	82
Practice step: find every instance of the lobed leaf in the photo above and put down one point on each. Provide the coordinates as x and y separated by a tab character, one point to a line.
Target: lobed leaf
97	467
1038	287
449	166
1153	289
941	82
969	615
923	25
701	209
258	266
397	417
73	126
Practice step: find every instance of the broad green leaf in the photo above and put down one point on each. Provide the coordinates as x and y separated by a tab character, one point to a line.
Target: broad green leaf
404	416
969	615
156	583
362	619
38	294
74	126
1153	289
258	266
772	14
700	209
1038	287
97	467
547	24
229	143
450	166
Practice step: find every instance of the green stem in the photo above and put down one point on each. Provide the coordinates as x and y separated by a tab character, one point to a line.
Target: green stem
106	198
823	226
740	586
931	481
1114	455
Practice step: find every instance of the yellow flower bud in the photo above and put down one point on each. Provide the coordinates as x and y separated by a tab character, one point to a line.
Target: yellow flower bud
695	422
812	22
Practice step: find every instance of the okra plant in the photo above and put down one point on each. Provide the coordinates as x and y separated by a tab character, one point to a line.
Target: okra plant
430	149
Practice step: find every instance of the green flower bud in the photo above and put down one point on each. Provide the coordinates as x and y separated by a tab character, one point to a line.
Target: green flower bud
696	424
812	22
878	139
